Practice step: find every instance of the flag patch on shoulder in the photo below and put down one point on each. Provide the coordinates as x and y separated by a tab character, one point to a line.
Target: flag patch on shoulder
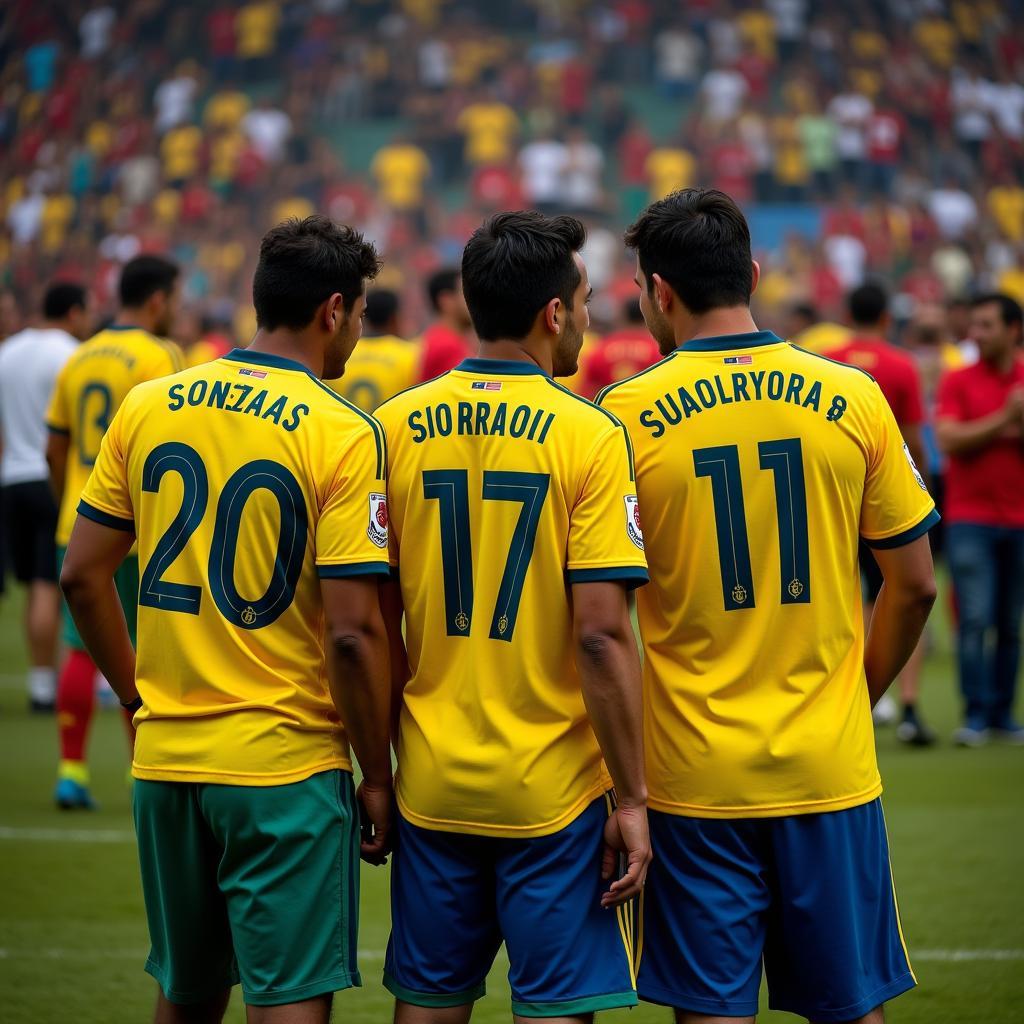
486	385
248	371
738	360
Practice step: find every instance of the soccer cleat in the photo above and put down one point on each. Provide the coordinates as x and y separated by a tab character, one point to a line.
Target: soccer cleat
73	796
884	712
914	732
968	736
1011	733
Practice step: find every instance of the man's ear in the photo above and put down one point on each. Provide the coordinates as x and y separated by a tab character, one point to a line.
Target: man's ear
662	294
550	313
334	313
755	277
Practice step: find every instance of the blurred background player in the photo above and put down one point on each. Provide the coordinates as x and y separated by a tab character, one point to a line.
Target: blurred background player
245	811
29	363
896	373
980	427
449	338
626	350
384	362
89	390
507	490
770	850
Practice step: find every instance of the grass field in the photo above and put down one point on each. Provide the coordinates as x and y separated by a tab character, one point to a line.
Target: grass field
73	936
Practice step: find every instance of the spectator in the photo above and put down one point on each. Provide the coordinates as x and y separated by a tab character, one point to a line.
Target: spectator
584	166
543	162
256	27
953	210
678	52
489	128
268	129
400	170
723	90
448	340
851	111
95	29
175	98
972	98
818	132
980	427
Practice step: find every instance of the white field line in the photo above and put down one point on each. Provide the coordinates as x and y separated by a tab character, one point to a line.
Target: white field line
376	955
67	835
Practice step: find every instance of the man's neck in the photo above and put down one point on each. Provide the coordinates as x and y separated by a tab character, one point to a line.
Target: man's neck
1003	363
288	345
862	333
716	323
523	351
133	318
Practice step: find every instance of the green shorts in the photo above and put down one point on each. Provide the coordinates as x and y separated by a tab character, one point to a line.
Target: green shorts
126	579
258	884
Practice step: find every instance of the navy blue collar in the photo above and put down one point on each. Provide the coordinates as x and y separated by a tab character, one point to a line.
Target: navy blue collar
500	367
124	327
727	342
246	355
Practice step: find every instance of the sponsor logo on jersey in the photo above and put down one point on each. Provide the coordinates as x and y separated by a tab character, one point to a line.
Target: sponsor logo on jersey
486	385
377	530
246	371
738	360
633	521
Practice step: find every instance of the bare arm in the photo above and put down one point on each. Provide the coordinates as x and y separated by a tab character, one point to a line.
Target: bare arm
357	658
87	579
57	447
957	437
609	667
393	610
901	611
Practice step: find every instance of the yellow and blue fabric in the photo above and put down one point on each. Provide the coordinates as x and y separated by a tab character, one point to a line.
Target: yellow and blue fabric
246	481
810	895
455	898
758	467
505	489
258	884
379	369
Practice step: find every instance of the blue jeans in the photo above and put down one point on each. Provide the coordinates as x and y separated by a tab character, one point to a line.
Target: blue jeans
987	563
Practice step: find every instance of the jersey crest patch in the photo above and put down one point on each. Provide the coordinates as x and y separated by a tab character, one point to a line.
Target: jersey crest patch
913	466
633	520
377	530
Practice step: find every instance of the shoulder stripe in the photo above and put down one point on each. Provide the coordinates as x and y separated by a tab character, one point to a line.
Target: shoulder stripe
625	380
173	350
412	387
378	430
586	401
838	362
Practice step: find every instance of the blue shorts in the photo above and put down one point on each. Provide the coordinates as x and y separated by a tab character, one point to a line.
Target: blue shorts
810	894
455	897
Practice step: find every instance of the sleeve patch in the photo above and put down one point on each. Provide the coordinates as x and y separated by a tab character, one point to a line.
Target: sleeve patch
633	530
913	466
377	530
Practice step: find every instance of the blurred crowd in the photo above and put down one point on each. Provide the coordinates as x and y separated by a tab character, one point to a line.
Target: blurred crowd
189	128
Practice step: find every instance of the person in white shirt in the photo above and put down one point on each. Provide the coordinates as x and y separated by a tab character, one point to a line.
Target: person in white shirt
175	99
29	363
723	91
543	163
851	111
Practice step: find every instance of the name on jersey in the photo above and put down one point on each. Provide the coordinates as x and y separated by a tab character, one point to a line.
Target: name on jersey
235	397
467	419
748	386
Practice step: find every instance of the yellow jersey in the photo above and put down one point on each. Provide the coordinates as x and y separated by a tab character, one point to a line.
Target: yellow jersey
245	481
88	392
505	488
759	466
378	369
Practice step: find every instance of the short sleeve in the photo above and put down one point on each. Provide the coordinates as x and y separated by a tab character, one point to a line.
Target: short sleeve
352	531
605	539
106	498
949	399
897	507
58	416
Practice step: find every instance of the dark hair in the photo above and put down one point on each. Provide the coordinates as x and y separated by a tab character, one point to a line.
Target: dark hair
143	277
631	311
302	263
697	239
806	311
382	305
61	298
513	265
440	281
867	304
1009	309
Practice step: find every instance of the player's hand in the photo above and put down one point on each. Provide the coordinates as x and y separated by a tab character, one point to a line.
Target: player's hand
1014	408
375	818
626	832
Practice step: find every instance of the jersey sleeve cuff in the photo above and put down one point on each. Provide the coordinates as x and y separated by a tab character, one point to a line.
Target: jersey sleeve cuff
97	515
54	429
339	572
906	536
632	576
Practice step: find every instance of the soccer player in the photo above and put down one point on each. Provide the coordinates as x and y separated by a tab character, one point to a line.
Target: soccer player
896	374
517	540
89	390
760	466
256	495
384	363
29	364
448	339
